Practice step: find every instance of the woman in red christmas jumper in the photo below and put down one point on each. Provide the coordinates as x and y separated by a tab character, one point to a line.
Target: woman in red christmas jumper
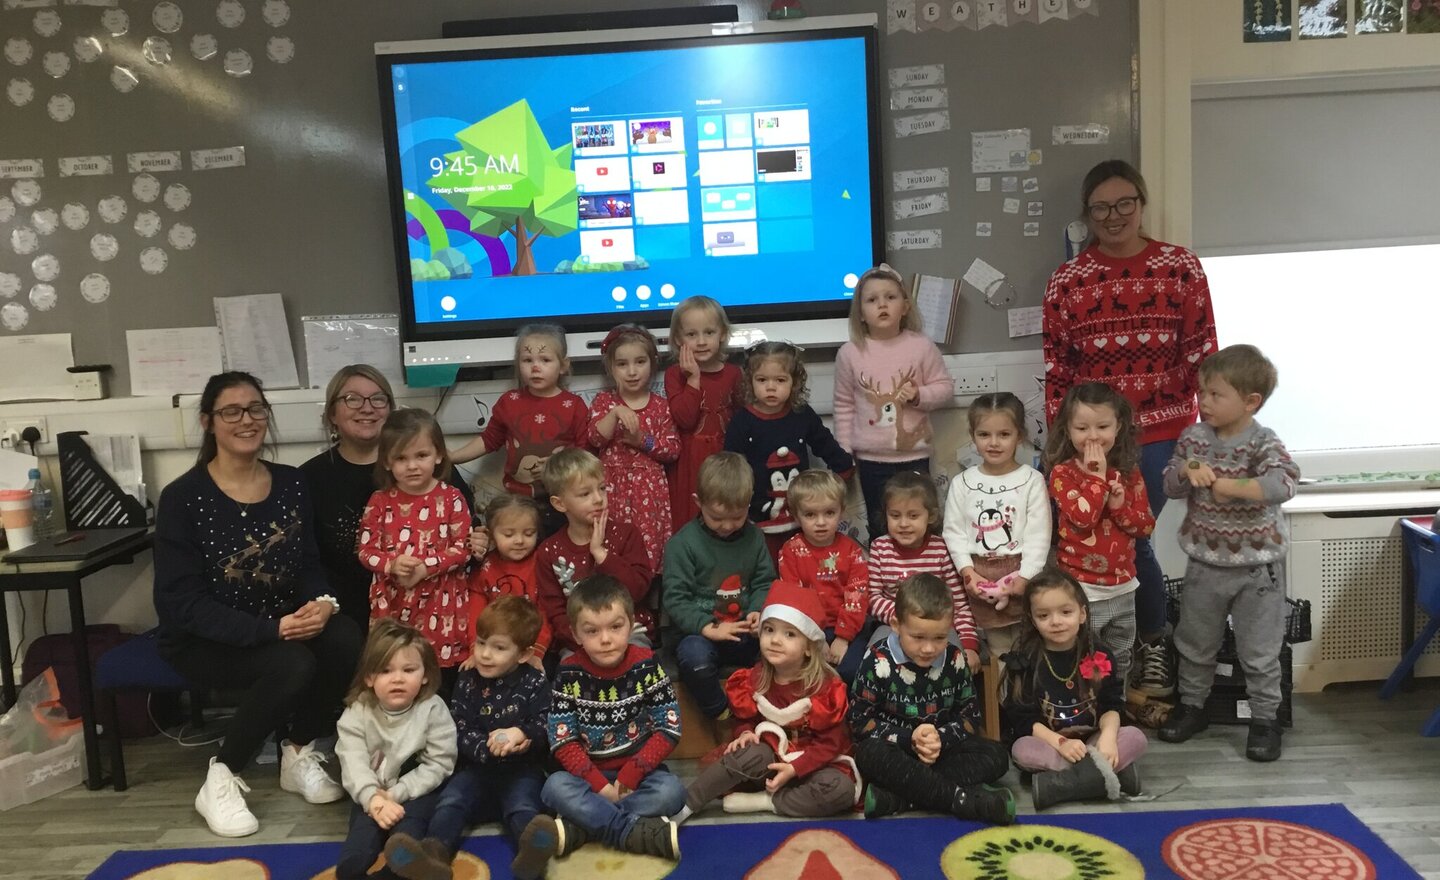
1132	312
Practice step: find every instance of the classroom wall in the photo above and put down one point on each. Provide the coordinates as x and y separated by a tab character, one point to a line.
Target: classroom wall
1184	42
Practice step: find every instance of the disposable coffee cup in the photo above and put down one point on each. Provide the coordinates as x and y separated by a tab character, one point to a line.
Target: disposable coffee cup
17	515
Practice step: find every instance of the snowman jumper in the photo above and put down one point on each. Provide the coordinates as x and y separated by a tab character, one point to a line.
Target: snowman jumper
701	416
635	487
991	521
778	447
433	528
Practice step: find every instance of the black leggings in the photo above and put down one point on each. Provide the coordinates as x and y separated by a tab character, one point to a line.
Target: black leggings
302	682
931	786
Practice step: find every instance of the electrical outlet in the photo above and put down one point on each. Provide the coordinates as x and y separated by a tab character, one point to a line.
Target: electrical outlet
973	381
11	430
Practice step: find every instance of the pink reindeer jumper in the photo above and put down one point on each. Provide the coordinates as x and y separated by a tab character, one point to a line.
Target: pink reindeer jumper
872	419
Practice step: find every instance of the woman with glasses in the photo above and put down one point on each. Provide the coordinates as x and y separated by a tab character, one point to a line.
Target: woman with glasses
244	604
1133	312
342	478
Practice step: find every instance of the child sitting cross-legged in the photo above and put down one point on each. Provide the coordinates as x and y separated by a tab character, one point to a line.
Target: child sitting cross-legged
500	706
912	713
613	720
790	741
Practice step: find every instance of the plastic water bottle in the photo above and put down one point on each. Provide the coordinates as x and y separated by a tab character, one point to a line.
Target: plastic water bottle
43	501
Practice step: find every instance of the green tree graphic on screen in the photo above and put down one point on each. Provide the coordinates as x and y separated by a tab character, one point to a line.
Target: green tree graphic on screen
508	179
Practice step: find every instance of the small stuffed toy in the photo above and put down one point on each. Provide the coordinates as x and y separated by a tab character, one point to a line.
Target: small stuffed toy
999	590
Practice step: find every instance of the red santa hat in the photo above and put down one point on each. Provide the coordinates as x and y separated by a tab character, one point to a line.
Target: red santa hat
796	605
782	458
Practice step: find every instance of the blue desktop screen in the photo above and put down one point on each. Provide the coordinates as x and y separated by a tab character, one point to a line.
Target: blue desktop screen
613	182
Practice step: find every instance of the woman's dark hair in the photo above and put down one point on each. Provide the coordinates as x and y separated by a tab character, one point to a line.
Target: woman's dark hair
1020	678
218	384
1105	171
1124	456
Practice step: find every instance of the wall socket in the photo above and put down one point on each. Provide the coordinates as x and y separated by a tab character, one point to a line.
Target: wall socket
973	381
11	430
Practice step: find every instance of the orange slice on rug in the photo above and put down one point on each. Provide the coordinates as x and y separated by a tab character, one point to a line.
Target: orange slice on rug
467	867
230	869
1038	852
820	854
1261	849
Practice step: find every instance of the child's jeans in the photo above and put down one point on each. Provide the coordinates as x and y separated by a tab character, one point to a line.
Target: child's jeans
850	663
366	839
699	660
1036	755
659	794
504	790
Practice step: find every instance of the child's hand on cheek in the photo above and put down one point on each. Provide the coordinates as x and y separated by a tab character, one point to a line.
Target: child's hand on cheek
688	365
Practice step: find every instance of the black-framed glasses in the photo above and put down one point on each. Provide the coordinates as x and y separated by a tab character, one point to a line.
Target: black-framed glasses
259	412
379	400
1099	211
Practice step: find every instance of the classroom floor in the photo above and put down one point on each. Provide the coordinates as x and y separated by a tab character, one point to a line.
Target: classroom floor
1347	746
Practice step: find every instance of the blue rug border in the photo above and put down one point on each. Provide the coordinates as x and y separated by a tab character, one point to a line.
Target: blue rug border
910	853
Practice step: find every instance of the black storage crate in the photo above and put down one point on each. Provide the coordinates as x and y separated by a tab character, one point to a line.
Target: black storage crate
1297	622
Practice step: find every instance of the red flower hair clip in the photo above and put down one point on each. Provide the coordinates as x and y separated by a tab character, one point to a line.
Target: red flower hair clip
1095	667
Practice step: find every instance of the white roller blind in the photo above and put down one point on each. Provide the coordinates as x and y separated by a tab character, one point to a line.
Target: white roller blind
1316	163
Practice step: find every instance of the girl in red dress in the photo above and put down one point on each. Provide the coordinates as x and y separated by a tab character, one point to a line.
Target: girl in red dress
703	390
790	728
632	429
414	537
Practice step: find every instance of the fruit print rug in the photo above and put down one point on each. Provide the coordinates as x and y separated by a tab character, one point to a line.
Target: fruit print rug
1320	842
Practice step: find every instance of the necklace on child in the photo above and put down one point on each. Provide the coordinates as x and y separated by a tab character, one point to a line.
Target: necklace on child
1067	680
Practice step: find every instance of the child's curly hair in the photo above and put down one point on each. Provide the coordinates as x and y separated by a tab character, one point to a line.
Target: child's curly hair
789	356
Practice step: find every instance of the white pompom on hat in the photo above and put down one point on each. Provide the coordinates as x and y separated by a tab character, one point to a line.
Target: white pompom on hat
797	605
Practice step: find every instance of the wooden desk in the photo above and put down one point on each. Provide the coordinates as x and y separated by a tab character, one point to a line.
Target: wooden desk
27	577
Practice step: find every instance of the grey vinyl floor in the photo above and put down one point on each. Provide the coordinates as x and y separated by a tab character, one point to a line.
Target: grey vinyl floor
1347	746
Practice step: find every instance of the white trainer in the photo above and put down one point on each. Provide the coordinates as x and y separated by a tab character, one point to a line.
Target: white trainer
303	772
221	803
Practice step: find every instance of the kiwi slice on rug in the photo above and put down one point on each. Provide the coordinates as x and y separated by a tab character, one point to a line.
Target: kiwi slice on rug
1037	852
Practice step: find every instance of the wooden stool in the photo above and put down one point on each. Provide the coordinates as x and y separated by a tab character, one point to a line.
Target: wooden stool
989	684
698	734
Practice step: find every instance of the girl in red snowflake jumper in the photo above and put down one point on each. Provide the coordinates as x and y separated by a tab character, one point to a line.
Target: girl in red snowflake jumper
636	438
414	538
790	727
537	419
1095	480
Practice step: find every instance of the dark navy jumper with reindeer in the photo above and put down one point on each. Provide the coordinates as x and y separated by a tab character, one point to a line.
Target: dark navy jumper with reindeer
778	448
227	572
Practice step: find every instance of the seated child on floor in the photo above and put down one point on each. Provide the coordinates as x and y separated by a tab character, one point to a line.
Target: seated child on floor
912	712
1062	701
613	720
500	707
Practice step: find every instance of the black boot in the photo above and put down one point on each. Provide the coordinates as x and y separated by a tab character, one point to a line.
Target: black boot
1129	779
1184	722
984	803
883	802
1263	743
1081	781
653	836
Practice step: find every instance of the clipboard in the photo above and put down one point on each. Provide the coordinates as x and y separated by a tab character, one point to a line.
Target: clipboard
938	301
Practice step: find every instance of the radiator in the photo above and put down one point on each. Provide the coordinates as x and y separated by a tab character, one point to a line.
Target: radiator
1348	565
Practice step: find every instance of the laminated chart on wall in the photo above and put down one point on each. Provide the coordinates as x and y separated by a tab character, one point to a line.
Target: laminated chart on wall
256	339
335	341
173	360
937	300
36	367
